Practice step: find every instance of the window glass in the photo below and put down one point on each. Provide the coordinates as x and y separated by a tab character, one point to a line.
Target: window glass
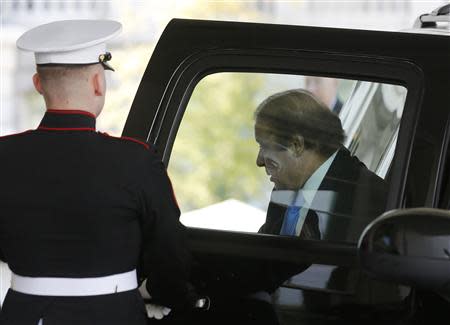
283	154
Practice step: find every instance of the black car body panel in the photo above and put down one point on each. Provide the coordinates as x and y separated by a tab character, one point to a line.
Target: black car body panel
188	50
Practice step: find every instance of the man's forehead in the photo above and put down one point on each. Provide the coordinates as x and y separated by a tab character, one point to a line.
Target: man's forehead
267	128
263	136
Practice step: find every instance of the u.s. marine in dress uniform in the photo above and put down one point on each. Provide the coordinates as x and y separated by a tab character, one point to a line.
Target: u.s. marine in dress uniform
82	211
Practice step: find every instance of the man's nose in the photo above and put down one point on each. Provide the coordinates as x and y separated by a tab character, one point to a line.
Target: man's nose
260	159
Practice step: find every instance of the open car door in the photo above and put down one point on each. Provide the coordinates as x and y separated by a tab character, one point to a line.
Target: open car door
196	106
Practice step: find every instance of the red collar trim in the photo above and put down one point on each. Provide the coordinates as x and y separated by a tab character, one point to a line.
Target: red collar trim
146	146
71	111
65	129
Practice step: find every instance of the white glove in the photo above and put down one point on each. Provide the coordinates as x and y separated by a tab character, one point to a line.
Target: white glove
157	311
153	311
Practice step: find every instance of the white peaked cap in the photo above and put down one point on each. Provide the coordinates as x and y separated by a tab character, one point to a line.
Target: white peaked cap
69	41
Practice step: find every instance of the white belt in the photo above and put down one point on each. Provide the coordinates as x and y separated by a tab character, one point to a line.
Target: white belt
74	286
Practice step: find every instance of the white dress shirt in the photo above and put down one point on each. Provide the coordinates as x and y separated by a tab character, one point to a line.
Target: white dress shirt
309	191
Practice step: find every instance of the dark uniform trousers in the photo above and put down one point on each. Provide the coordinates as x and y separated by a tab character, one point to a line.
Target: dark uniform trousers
76	203
119	308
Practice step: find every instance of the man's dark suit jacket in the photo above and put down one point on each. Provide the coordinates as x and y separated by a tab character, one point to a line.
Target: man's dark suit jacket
359	197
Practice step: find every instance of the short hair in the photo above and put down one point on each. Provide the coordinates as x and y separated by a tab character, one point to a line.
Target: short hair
298	112
60	72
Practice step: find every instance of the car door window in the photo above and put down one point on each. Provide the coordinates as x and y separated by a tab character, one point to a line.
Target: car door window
227	173
214	165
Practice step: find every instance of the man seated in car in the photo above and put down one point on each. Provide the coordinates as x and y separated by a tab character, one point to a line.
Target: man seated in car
321	192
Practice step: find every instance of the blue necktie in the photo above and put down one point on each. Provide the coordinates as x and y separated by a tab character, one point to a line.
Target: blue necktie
290	221
291	218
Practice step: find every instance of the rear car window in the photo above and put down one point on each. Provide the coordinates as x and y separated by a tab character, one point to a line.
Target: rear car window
214	165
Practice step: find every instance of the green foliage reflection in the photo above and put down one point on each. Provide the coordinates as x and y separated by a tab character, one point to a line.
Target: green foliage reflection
213	158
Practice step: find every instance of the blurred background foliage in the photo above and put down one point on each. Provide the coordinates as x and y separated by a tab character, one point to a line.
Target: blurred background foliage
214	155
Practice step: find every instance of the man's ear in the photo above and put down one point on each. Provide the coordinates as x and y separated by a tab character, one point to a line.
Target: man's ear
37	83
99	83
298	144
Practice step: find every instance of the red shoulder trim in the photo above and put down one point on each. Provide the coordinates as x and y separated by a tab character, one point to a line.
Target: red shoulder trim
14	134
44	128
137	141
146	146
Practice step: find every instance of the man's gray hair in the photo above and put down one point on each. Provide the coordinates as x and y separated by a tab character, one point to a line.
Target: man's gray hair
298	112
